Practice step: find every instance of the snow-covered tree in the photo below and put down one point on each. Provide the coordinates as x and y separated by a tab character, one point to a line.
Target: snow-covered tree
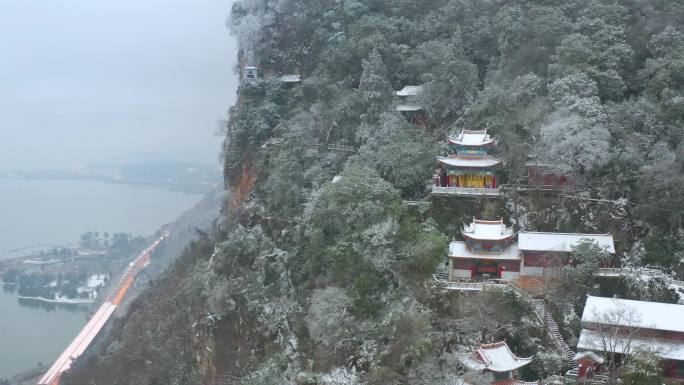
665	69
644	367
376	92
569	139
587	257
327	317
617	329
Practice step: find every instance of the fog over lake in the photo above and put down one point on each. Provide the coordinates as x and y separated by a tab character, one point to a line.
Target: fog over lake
96	80
58	212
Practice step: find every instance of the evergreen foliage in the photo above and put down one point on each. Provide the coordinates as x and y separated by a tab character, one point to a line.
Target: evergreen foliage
318	223
643	368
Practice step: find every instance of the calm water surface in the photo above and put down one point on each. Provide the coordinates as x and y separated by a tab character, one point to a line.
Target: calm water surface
32	334
57	212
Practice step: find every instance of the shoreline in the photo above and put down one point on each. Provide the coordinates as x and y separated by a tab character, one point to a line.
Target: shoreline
189	188
62	301
16	253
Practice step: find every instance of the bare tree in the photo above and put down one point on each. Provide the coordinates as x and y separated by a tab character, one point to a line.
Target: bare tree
615	331
488	315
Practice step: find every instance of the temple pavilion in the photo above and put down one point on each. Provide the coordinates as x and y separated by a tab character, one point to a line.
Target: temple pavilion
470	170
544	254
497	359
410	105
486	252
613	327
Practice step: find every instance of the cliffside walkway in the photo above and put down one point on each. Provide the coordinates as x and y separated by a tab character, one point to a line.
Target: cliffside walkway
645	272
79	345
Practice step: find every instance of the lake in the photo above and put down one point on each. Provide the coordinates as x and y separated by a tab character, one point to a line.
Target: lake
34	212
56	213
32	334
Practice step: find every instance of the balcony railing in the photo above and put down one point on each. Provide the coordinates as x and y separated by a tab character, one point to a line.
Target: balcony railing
465	191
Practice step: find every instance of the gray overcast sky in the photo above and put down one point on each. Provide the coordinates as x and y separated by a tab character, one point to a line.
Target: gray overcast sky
88	80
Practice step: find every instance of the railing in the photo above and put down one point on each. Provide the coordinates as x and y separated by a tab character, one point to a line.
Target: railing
465	191
630	271
467	284
334	147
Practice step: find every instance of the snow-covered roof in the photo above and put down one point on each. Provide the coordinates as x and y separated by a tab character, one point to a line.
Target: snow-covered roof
562	242
496	357
408	108
410	91
469	161
588	355
251	68
644	314
667	349
487	230
96	280
549	166
458	249
291	78
472	138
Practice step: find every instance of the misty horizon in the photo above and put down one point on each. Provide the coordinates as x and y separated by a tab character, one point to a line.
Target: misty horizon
92	81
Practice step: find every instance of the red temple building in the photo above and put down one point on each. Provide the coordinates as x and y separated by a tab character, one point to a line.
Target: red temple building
470	170
486	252
497	359
546	176
544	254
612	325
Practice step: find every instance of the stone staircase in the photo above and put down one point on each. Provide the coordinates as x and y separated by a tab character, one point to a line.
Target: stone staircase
541	310
554	332
596	379
441	273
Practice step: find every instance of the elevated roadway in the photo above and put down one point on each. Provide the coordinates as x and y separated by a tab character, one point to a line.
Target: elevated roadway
113	298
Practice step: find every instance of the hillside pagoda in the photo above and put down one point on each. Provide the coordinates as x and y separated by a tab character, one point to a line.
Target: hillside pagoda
486	252
410	105
470	170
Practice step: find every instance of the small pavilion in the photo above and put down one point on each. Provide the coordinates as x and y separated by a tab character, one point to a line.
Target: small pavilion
410	105
497	359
